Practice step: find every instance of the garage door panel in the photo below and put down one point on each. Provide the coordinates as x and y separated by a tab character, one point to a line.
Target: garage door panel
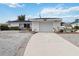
46	26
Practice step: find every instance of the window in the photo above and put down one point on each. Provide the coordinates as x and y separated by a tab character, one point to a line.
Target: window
27	25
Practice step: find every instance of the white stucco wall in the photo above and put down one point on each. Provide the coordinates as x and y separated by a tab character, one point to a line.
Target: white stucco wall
13	24
35	26
57	25
17	24
46	26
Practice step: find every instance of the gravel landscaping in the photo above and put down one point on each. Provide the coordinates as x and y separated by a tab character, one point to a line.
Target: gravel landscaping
13	43
71	37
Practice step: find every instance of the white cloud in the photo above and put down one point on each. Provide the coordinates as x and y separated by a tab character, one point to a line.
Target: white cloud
56	11
52	11
38	3
76	8
14	5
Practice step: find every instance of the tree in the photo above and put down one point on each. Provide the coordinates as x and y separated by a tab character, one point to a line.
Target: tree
21	18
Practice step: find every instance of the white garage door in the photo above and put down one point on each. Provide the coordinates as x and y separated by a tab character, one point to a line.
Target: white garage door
46	26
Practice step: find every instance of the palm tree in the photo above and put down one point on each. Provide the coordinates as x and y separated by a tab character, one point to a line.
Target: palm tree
21	19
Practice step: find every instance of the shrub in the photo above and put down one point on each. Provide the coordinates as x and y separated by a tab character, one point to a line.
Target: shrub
13	28
72	31
4	27
76	27
61	31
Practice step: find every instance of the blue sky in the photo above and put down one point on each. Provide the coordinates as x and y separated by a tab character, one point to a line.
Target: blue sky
67	11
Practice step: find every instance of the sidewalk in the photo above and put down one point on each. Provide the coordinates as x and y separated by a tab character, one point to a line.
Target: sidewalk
50	44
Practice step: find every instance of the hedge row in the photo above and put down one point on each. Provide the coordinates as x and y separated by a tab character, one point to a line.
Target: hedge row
13	28
5	27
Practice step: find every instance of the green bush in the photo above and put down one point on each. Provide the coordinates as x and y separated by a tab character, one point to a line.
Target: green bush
76	27
4	27
13	28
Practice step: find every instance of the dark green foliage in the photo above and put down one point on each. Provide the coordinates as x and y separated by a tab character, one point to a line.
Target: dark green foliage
76	27
21	18
4	27
13	28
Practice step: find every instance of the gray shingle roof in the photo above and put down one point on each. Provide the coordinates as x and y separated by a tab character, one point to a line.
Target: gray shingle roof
43	19
18	21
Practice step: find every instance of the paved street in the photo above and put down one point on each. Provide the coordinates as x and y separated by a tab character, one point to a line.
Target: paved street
50	44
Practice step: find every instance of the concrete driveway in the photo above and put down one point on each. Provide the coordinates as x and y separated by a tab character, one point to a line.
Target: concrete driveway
50	44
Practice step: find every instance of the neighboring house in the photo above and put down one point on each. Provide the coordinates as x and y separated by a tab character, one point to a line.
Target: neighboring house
46	24
68	25
22	24
75	23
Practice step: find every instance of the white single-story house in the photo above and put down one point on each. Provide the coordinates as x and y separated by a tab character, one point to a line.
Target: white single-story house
39	24
22	24
75	23
46	24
